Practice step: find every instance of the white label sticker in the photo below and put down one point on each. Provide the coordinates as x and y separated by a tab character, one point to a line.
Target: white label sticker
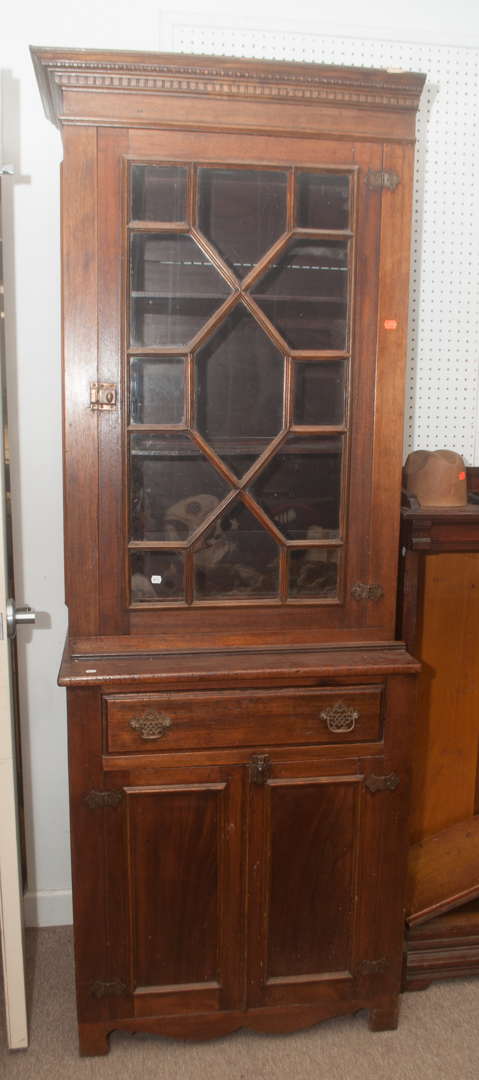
156	579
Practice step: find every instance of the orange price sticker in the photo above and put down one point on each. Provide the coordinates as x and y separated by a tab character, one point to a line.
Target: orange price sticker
462	476
390	324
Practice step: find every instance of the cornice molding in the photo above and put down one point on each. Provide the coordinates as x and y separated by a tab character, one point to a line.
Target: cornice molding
60	70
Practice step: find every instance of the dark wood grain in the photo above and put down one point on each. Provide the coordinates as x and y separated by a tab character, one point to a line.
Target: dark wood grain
313	837
172	842
443	872
341	97
443	948
80	351
239	719
391	376
236	870
112	145
436	616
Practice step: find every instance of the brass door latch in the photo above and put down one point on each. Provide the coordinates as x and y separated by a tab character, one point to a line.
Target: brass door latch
260	769
103	395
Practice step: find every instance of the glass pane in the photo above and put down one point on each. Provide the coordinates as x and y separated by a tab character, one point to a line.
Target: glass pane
242	212
319	392
239	381
157	390
159	192
304	294
300	488
175	289
322	201
313	572
173	487
236	558
157	575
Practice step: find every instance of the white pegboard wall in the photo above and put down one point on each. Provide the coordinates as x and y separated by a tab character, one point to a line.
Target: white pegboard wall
443	352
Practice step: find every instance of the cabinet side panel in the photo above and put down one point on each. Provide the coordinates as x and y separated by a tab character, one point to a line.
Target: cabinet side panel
112	144
80	330
363	368
89	872
390	382
392	809
447	737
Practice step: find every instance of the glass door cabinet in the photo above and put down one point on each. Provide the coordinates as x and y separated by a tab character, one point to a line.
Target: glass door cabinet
238	379
235	262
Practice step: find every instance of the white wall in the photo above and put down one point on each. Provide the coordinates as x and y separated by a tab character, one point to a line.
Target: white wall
32	302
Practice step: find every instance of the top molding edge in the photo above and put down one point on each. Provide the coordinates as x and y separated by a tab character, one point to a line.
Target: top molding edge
217	76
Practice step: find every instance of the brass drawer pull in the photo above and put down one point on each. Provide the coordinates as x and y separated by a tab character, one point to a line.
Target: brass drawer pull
340	718
151	726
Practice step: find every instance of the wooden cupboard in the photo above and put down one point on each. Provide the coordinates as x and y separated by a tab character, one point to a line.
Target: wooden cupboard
437	618
235	266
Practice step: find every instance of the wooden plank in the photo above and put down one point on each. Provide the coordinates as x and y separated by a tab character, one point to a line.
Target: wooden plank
447	726
443	872
80	351
208	92
445	947
390	382
112	144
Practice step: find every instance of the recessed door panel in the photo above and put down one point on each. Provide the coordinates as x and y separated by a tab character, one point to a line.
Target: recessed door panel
183	921
313	828
305	911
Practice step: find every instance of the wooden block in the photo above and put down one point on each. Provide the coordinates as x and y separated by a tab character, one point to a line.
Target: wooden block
443	872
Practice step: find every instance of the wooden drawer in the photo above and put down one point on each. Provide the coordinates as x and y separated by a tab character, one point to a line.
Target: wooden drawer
234	719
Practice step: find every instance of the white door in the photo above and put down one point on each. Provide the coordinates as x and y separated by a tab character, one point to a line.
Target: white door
11	887
11	890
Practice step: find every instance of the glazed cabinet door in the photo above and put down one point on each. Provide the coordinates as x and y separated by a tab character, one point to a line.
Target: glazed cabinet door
236	375
313	869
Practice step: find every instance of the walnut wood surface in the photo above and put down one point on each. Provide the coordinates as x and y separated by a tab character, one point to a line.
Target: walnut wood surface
443	872
243	666
390	386
437	618
442	948
236	719
210	892
302	96
447	731
141	105
80	334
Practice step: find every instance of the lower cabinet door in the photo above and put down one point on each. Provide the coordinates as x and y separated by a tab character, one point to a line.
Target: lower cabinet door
184	890
312	882
241	887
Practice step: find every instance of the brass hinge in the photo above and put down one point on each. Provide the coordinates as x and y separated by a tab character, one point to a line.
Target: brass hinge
383	783
378	180
368	592
259	769
373	967
103	395
105	989
103	798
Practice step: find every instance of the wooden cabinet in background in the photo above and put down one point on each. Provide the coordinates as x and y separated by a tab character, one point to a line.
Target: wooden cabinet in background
438	612
235	262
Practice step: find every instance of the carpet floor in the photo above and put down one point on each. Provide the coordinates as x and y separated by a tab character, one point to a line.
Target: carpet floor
437	1038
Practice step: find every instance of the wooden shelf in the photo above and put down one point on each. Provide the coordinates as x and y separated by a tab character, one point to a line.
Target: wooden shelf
443	872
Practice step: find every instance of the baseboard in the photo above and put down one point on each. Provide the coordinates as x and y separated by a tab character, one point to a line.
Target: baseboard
48	908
